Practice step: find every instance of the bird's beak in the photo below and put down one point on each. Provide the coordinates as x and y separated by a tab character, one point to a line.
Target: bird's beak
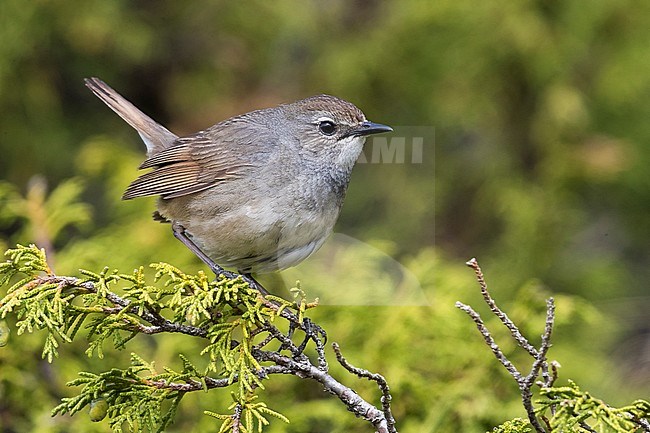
367	128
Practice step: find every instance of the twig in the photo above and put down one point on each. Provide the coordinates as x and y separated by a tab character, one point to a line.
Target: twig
585	426
160	324
351	399
540	363
312	331
376	377
644	423
211	383
490	341
236	418
523	341
540	359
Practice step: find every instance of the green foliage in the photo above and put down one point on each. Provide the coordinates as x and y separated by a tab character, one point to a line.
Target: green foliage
569	409
39	306
126	397
516	425
227	315
216	310
251	412
44	216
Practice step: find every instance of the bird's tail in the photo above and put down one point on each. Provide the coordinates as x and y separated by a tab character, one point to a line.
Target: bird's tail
155	136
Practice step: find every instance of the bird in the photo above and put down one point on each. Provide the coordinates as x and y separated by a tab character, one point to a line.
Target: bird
258	192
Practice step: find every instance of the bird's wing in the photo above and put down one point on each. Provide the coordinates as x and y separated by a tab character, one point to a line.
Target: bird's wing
195	163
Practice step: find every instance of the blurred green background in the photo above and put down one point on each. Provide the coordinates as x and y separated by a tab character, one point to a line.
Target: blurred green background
539	168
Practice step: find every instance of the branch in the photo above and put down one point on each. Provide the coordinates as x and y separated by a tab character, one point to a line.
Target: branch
210	382
351	399
525	383
376	377
540	359
236	418
214	311
644	423
517	335
159	323
503	359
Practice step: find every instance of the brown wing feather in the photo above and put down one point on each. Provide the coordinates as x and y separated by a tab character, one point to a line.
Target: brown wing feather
165	180
176	153
191	165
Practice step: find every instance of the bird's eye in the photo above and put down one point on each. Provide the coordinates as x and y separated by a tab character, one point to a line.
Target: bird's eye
327	127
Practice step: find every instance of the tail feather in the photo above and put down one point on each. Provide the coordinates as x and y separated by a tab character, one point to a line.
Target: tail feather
155	136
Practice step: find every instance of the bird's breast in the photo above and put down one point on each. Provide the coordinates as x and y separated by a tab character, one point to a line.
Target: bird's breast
258	233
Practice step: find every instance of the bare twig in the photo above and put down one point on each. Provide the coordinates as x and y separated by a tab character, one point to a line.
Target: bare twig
540	359
351	399
376	377
523	341
312	331
540	363
490	341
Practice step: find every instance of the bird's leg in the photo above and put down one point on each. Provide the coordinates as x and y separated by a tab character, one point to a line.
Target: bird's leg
181	235
254	283
312	331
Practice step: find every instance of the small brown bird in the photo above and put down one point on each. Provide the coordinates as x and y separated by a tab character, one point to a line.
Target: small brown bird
258	192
